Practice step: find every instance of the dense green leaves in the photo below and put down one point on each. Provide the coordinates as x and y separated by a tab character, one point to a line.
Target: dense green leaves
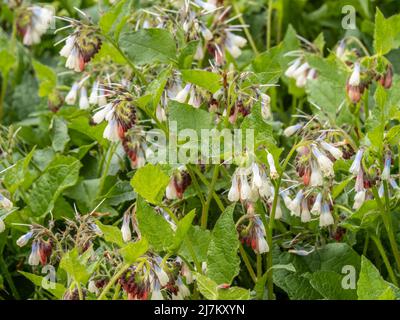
153	226
148	46
222	256
207	80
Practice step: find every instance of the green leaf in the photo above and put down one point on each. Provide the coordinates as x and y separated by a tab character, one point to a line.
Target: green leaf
47	78
199	240
75	266
371	285
60	136
205	79
153	226
58	291
210	290
7	61
233	293
111	18
150	182
186	56
51	184
187	117
223	262
134	250
82	125
16	176
386	36
329	285
206	286
156	88
111	234
182	229
148	46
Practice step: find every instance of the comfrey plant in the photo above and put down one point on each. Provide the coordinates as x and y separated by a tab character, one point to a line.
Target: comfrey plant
184	153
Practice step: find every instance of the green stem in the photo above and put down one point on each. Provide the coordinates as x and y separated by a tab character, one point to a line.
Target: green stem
259	266
204	216
246	30
381	250
270	281
117	291
203	179
114	279
269	24
247	263
112	149
196	185
4	271
78	286
387	222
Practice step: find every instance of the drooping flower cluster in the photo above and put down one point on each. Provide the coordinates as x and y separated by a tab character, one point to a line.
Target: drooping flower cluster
179	182
81	46
33	22
301	72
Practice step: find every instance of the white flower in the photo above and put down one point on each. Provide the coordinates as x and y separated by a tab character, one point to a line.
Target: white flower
316	179
170	191
393	184
245	190
160	114
199	55
340	50
187	273
289	131
83	100
236	40
182	289
292	68
305	213
301	80
335	152
301	71
265	106
206	33
272	169
69	45
125	229
262	245
359	199
205	5
5	202
326	218
257	181
386	171
183	94
324	162
104	111
316	209
355	76
24	239
2	225
111	131
311	74
92	287
156	294
194	100
40	21
94	95
381	191
102	101
286	199
295	205
34	257
278	210
355	167
161	275
75	60
72	95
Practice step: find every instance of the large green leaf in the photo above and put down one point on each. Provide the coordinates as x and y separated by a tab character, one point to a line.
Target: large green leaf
75	266
111	234
387	35
148	46
51	184
198	239
134	250
182	230
153	226
223	262
58	290
371	285
47	78
150	183
205	79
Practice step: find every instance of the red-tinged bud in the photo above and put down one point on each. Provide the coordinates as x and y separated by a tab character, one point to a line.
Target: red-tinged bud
387	79
354	93
307	176
45	250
